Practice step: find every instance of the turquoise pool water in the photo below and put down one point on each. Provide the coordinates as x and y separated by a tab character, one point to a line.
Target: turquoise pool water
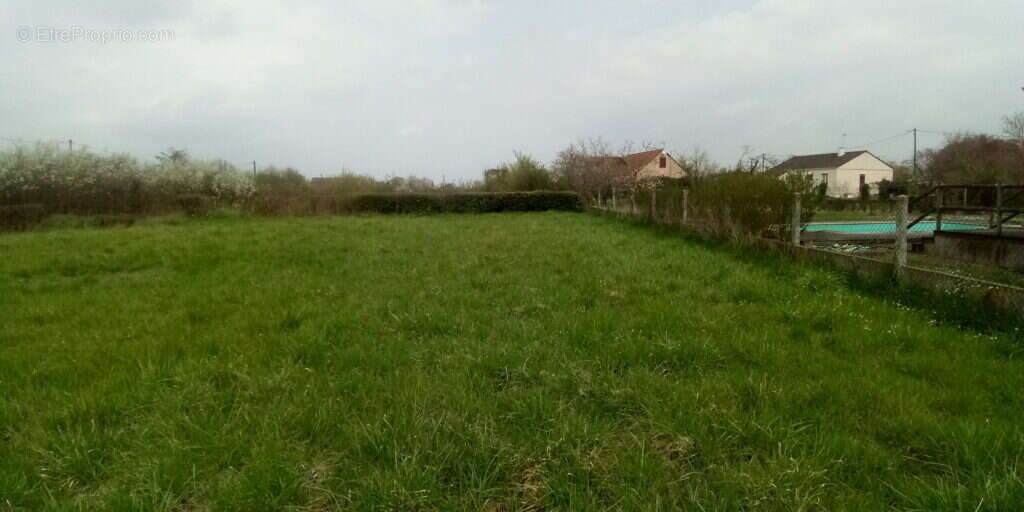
886	227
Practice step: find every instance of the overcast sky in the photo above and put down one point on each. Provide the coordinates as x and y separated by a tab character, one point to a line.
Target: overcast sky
448	88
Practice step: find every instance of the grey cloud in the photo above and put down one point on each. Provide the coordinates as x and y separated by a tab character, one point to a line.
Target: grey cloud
441	87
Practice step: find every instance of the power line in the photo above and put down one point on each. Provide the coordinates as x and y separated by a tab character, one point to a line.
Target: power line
936	132
885	139
968	133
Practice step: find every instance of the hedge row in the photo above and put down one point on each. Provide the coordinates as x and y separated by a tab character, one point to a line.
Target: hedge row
480	202
24	216
854	204
19	217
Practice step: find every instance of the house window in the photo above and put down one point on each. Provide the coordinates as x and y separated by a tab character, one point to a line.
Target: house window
663	162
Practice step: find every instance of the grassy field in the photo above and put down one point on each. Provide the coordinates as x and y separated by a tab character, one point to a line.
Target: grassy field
491	362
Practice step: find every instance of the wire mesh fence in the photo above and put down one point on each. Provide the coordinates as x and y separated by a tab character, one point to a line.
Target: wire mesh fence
972	231
967	230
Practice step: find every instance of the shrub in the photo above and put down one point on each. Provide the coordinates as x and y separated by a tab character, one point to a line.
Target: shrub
821	190
282	192
84	183
62	221
851	204
270	204
395	203
480	202
887	189
194	205
740	205
21	216
521	175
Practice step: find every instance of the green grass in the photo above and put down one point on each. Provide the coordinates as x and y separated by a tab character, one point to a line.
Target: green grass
496	362
968	269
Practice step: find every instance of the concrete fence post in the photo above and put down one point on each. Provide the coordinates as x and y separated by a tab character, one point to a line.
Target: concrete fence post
795	221
938	208
632	202
600	200
613	198
999	209
901	234
686	205
654	207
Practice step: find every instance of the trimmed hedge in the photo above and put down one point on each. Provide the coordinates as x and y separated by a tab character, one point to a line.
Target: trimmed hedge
18	217
481	202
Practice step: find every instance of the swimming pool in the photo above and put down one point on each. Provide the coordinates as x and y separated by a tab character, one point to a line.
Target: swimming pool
886	227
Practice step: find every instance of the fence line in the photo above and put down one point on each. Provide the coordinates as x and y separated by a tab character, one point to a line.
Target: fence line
897	268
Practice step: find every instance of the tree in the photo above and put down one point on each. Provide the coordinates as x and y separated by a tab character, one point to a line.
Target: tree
976	159
698	163
1013	128
173	156
289	181
410	184
585	168
526	173
747	162
496	179
821	190
523	174
887	189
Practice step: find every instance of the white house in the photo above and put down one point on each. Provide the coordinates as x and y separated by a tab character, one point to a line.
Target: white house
843	172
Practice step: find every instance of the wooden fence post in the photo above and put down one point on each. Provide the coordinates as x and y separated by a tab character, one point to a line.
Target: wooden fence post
938	208
901	234
654	207
686	204
632	202
795	221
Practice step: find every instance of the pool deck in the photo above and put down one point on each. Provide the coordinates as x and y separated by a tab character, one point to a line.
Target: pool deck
837	236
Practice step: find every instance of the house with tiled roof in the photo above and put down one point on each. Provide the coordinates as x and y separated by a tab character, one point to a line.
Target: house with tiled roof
843	173
656	163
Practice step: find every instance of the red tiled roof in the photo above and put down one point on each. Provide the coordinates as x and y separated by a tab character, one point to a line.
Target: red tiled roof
628	164
638	160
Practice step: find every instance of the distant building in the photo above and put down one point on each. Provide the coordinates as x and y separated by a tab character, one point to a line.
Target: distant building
656	163
843	173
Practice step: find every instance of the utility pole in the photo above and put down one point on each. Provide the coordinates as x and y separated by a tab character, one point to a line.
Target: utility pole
254	169
762	163
69	145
